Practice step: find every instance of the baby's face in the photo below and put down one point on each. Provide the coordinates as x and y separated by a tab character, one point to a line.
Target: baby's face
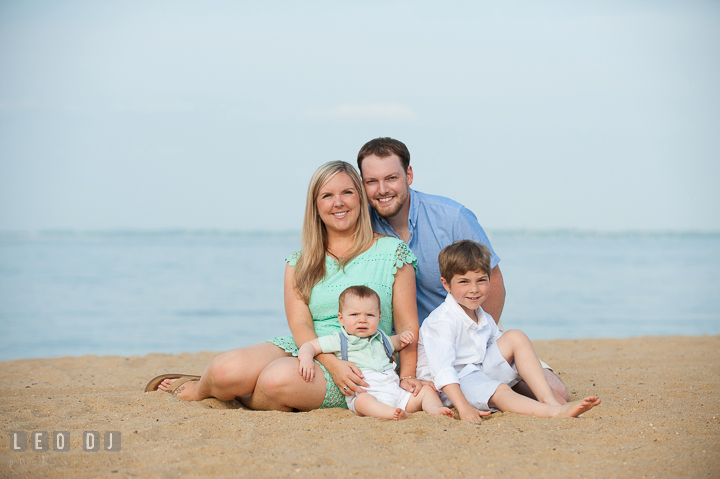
360	316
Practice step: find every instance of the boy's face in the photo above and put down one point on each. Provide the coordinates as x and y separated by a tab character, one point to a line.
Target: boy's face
360	316
469	290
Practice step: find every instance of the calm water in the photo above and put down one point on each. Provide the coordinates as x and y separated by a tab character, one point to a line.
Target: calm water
129	294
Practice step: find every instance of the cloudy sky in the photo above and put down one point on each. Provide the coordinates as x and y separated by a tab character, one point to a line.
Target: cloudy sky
187	114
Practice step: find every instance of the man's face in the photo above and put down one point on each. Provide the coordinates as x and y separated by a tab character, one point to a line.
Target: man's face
386	183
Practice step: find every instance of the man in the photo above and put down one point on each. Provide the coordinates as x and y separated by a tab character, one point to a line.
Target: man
427	223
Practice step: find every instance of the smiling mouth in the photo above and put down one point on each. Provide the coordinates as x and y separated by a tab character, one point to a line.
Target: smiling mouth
340	215
383	201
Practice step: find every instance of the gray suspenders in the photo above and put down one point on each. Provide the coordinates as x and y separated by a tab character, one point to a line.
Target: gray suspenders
386	342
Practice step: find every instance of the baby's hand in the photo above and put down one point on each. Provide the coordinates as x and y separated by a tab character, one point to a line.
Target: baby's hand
472	414
406	338
307	369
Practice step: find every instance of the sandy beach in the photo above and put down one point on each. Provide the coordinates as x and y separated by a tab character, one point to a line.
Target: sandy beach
660	417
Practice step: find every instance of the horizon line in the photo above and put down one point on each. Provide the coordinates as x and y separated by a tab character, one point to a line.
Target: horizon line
70	232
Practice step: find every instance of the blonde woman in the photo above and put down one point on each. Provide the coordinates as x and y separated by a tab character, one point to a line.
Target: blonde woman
339	249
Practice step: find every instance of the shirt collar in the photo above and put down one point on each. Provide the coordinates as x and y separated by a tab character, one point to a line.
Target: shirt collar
459	313
377	216
413	212
356	339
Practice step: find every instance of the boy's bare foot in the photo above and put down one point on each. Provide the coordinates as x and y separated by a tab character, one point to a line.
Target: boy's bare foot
444	411
400	414
575	408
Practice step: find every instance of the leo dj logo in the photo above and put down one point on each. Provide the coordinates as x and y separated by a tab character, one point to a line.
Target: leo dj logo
40	441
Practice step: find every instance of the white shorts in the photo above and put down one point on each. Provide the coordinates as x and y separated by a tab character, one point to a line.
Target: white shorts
479	386
385	387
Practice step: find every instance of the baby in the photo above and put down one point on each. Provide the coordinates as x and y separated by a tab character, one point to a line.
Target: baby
462	351
361	343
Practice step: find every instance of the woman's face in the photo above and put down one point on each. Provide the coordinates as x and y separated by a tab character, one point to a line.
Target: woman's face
338	204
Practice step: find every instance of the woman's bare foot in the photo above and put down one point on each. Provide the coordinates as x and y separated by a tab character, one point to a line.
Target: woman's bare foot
185	391
575	408
444	411
400	414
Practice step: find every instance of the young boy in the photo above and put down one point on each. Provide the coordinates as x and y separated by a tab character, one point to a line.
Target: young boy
370	350
462	351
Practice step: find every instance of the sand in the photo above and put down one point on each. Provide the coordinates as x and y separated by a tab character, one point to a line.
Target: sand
660	417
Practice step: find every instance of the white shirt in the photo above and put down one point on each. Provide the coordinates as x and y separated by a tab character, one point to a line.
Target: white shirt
451	345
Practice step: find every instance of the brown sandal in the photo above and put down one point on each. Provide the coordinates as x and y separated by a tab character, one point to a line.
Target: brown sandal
181	379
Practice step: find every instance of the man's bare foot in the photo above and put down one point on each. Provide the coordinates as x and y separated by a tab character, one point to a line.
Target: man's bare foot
185	391
400	414
444	411
575	408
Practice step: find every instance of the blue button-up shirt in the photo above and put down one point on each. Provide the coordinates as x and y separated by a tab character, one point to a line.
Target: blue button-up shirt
434	222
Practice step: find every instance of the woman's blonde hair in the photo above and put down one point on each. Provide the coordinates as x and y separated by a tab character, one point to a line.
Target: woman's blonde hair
310	268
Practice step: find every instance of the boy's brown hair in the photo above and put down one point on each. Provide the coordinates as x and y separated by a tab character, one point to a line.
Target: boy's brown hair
358	291
463	256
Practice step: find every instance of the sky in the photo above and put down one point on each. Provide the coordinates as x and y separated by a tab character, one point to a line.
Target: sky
147	115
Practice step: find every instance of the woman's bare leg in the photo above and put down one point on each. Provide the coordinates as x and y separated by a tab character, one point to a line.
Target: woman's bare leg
280	387
230	374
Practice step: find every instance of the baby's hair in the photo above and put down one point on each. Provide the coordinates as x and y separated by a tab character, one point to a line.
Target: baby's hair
463	256
358	291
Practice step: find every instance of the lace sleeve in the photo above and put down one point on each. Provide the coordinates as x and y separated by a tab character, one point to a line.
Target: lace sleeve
293	259
404	256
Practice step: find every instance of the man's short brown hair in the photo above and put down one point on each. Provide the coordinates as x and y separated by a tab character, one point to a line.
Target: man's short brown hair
463	256
358	291
382	148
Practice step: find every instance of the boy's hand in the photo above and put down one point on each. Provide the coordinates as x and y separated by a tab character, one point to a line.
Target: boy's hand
307	368
471	414
406	338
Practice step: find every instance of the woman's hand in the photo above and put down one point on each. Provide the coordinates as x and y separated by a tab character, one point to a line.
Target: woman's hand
346	375
431	384
411	385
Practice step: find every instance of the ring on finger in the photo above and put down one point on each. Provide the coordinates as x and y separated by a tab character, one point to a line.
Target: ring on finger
345	388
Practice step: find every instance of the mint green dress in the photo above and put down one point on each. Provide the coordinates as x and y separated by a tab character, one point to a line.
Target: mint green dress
375	268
